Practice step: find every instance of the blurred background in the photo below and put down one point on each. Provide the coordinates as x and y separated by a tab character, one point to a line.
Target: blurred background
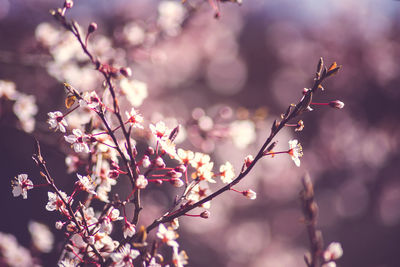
225	80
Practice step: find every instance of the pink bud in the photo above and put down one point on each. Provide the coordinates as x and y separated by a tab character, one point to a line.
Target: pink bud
336	104
205	214
68	4
127	72
250	194
92	27
177	182
180	168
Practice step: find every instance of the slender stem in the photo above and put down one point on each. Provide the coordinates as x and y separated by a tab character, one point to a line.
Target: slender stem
292	112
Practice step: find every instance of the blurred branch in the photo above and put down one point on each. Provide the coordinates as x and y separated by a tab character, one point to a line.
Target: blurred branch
310	211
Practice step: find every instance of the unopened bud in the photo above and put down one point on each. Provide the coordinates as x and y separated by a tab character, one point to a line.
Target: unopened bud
329	264
69	248
68	4
180	168
113	174
205	214
146	161
336	104
150	150
174	174
333	252
127	72
159	162
177	182
92	27
134	150
250	194
141	182
71	227
248	160
59	225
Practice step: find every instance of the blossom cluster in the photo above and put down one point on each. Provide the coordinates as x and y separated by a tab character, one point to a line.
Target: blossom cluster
23	105
103	132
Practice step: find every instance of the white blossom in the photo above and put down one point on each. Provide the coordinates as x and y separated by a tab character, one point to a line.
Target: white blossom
135	91
141	182
124	256
21	185
333	252
86	183
42	238
295	151
57	121
78	141
167	235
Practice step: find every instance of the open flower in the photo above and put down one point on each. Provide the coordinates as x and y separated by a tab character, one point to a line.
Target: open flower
198	192
91	99
167	235
179	259
57	121
295	151
134	118
56	203
78	141
21	185
160	131
204	173
86	183
124	256
129	229
184	156
226	172
106	224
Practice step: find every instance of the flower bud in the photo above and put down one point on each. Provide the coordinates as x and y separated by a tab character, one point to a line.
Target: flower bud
68	4
150	151
174	174
336	104
146	161
69	248
205	214
92	27
71	227
59	225
176	182
113	174
159	162
250	194
141	182
333	252
181	168
329	264
127	72
248	160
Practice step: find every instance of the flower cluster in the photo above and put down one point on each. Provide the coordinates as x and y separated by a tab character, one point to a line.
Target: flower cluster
23	106
106	132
